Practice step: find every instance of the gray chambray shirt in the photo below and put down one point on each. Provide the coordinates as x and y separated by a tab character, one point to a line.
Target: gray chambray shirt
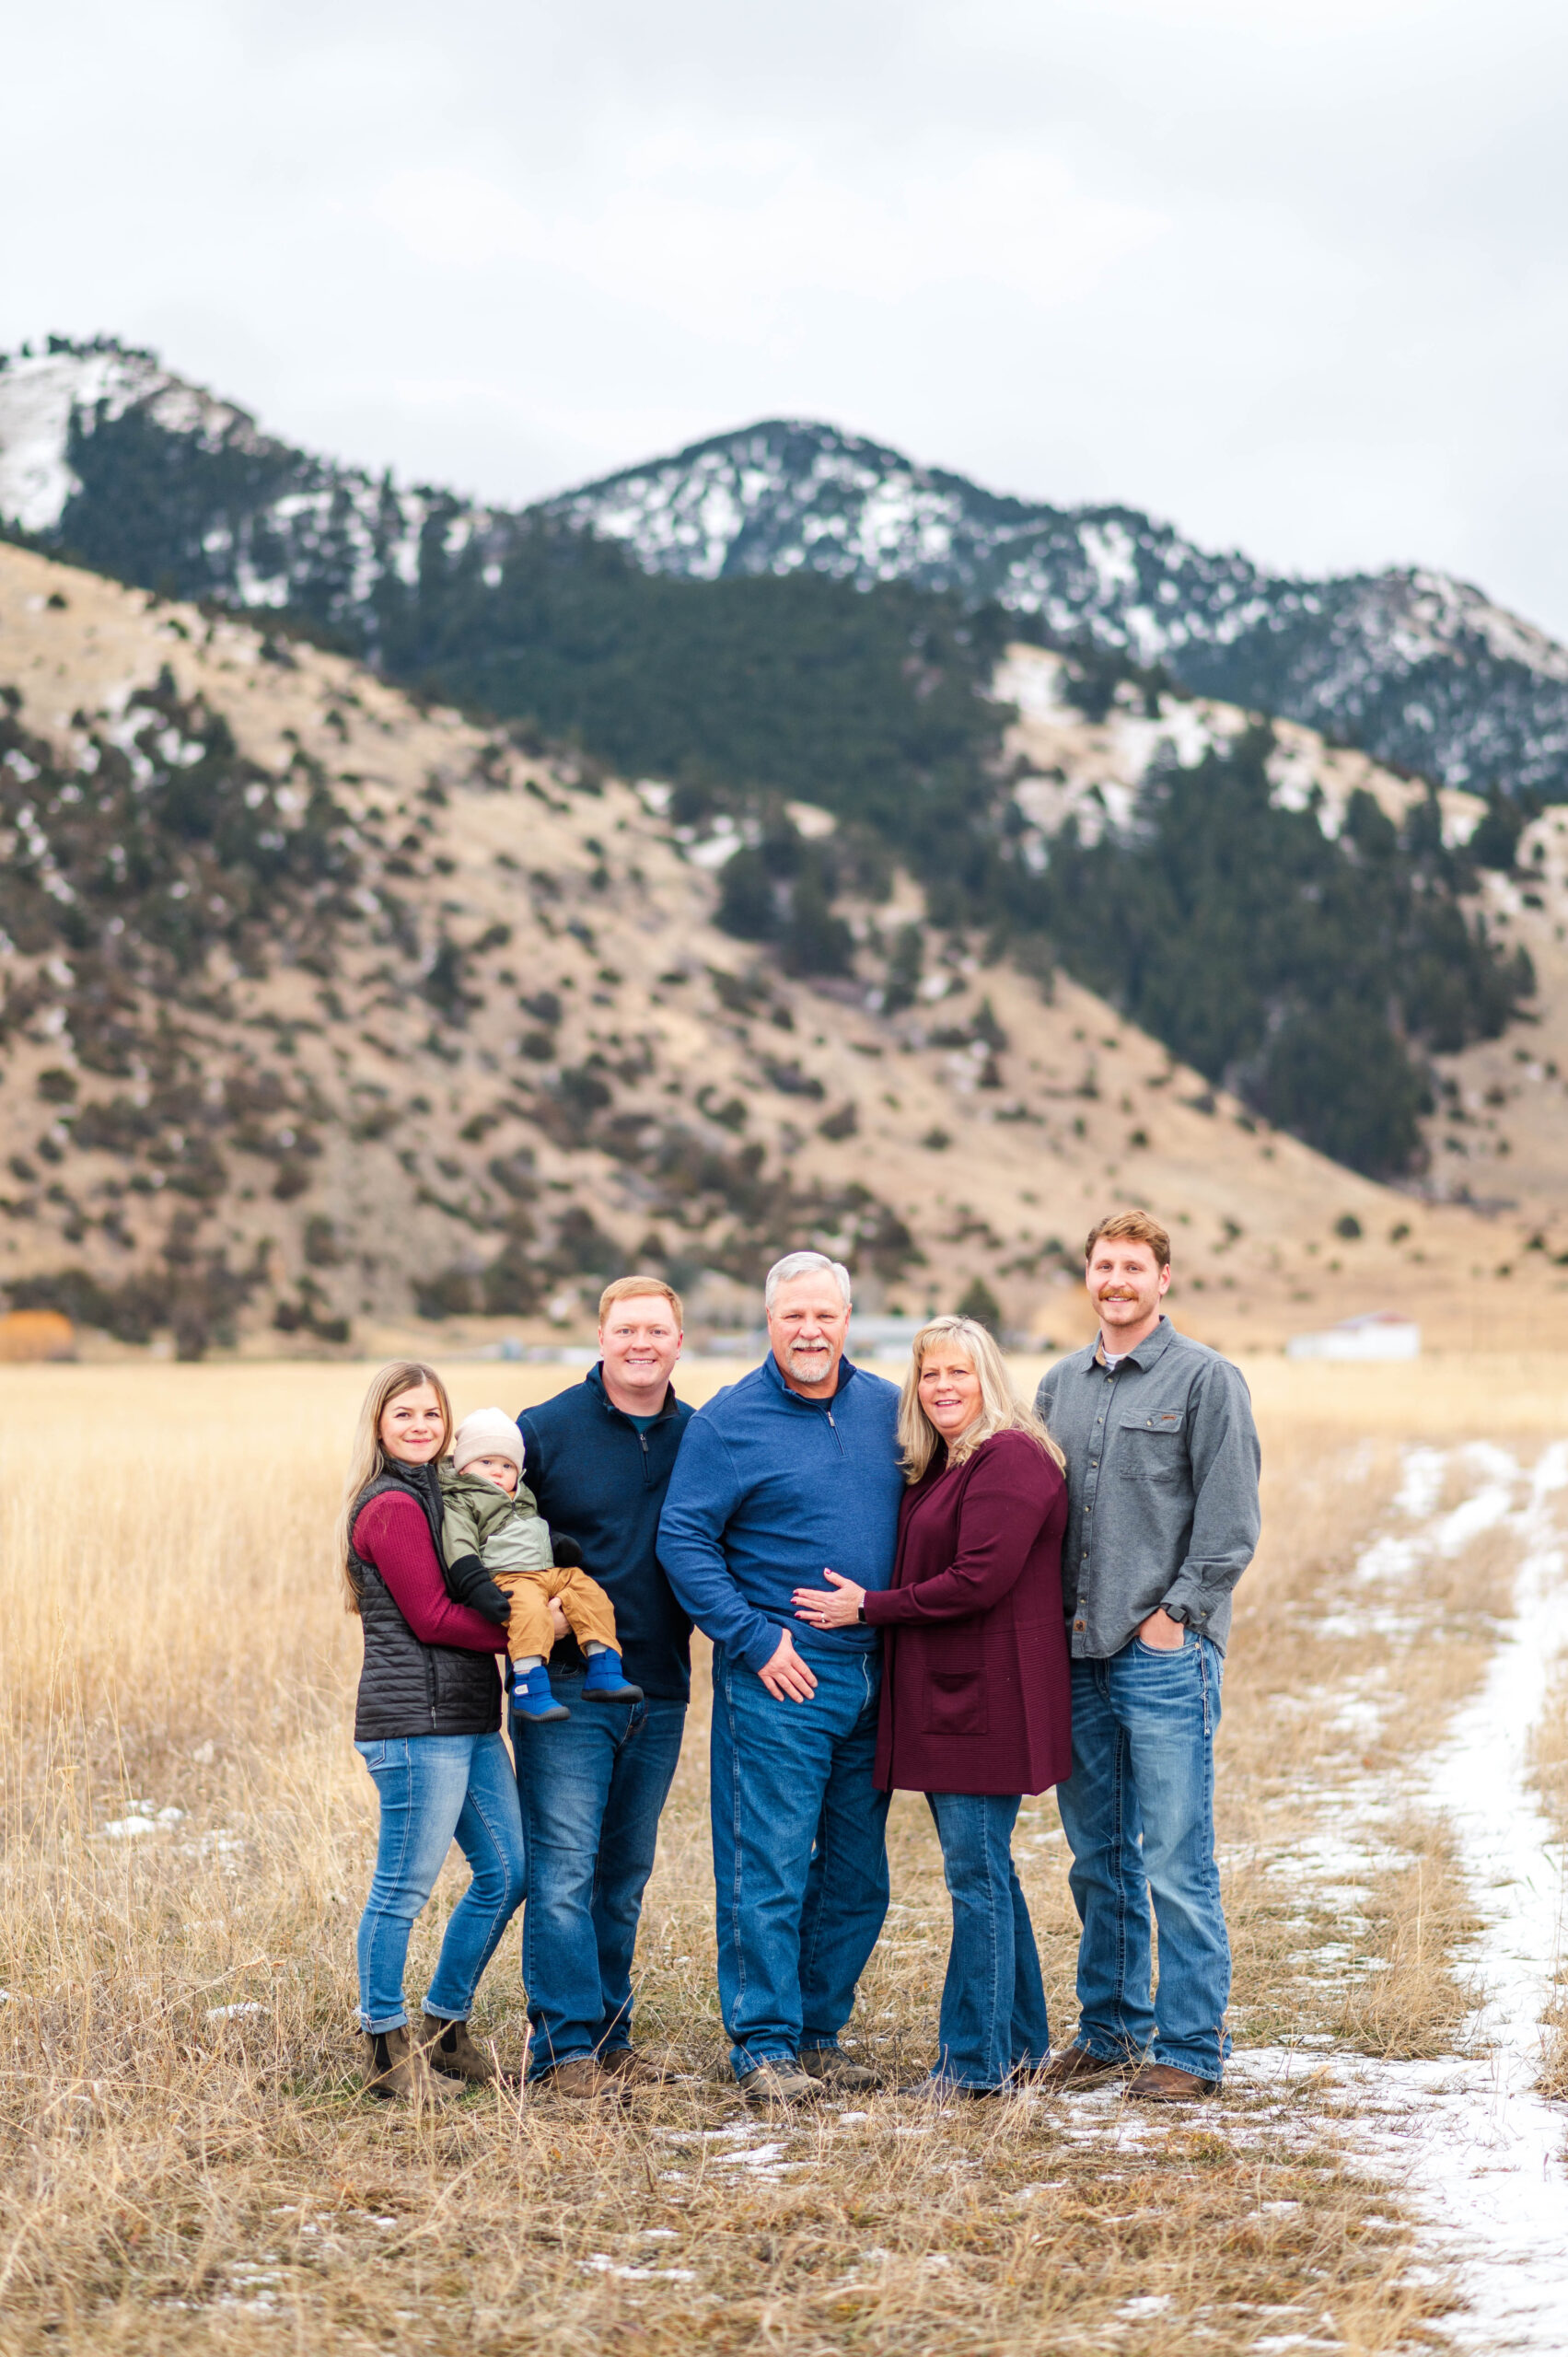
1161	1487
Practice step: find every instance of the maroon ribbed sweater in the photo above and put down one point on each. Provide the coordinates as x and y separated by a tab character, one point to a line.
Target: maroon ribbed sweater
392	1534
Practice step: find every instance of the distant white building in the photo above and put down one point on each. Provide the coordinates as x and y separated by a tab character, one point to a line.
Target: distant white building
883	1338
1380	1334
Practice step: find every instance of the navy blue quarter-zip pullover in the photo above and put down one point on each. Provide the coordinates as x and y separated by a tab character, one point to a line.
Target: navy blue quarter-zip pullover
600	1480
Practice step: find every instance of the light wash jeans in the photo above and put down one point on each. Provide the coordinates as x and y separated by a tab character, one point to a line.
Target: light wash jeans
434	1787
592	1788
800	1852
992	2020
1138	1811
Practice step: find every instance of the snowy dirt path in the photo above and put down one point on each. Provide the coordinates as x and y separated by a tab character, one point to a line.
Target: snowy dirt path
1479	2153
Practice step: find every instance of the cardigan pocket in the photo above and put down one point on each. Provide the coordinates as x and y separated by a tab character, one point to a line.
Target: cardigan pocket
955	1703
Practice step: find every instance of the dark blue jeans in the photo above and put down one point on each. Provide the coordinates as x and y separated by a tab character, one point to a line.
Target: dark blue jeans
592	1788
434	1787
800	1852
992	2020
1138	1811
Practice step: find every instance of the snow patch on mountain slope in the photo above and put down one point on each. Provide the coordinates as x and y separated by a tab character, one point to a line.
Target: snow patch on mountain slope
1092	771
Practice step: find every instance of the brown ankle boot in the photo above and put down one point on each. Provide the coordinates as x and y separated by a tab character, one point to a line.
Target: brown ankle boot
452	2053
1163	2083
397	2071
1075	2070
581	2078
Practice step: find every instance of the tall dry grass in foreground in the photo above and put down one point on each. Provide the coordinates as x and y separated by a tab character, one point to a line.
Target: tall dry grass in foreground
187	2160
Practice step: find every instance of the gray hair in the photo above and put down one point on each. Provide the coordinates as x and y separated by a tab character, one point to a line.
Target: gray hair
801	1264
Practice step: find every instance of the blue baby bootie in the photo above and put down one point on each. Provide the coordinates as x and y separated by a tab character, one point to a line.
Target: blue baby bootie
532	1697
607	1681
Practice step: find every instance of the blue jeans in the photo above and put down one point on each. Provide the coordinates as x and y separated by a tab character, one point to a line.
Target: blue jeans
800	1852
1138	1811
992	2020
592	1788
432	1787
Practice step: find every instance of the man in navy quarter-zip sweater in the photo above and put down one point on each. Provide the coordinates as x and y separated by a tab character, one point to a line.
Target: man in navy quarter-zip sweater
792	1471
598	1457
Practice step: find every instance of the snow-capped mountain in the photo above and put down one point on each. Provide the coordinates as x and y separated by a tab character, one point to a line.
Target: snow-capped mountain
41	395
104	451
1423	669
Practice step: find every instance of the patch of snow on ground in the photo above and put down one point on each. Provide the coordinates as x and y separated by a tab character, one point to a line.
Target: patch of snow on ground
1502	2160
1481	2153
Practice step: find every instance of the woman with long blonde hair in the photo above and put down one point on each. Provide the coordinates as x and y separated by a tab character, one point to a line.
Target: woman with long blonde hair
427	1726
975	1707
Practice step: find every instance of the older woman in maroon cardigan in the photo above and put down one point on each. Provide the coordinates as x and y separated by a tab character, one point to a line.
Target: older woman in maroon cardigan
975	1688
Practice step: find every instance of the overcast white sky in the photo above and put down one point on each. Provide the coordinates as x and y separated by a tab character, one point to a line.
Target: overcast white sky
1291	272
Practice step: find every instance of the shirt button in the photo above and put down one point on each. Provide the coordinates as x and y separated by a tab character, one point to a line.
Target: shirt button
1078	1624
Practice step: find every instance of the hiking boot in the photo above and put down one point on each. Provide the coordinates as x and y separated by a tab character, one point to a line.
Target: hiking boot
779	2084
1163	2083
1074	2070
580	2078
450	2049
397	2071
836	2071
631	2070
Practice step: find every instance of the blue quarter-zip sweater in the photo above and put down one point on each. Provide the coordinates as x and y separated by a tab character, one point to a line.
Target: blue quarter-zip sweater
770	1487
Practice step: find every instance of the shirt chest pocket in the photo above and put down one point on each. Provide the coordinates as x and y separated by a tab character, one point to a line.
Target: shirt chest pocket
1152	1446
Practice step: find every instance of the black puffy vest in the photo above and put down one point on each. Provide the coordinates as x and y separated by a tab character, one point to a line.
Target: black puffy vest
406	1687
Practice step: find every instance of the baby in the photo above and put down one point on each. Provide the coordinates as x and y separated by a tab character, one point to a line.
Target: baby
502	1560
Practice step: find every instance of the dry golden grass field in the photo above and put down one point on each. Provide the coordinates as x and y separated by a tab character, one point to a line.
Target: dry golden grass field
187	2160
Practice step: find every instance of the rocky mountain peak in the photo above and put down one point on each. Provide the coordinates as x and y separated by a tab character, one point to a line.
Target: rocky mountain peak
1415	666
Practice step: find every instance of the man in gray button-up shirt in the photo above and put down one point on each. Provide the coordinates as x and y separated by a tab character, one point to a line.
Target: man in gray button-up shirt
1162	1471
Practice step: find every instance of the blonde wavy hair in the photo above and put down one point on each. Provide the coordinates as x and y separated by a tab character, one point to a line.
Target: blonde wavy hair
1001	1409
368	1458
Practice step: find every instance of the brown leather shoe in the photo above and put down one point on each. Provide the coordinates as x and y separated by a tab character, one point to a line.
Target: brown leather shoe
630	2071
581	2078
1163	2083
1074	2070
451	2052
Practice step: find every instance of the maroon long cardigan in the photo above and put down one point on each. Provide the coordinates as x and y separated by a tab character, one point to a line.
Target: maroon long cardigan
975	1691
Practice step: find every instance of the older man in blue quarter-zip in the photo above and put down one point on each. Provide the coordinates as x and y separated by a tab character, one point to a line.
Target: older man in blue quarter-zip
792	1471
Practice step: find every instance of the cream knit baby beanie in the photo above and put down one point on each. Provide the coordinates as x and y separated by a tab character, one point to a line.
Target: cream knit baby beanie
489	1432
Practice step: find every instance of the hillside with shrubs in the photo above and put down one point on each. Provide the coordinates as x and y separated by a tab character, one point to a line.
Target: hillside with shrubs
331	1019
